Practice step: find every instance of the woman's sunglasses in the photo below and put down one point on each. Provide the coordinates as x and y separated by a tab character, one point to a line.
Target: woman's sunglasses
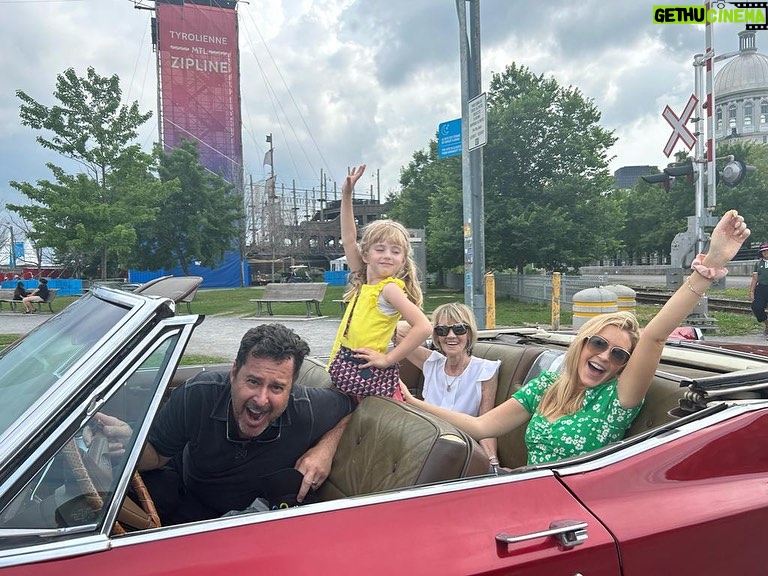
598	345
458	329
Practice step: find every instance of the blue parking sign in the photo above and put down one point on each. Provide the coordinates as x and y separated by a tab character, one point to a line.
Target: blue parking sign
449	138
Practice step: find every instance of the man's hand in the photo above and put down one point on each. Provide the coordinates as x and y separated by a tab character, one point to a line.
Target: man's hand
315	465
116	431
316	462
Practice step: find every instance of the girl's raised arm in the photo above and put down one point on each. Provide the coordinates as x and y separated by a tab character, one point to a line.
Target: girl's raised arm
348	226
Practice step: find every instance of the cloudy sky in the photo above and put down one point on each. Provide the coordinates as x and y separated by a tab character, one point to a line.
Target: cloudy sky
342	82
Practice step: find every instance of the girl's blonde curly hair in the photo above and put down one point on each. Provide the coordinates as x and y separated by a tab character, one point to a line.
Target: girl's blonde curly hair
394	232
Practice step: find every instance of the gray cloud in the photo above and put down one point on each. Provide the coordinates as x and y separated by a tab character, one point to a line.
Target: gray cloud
338	83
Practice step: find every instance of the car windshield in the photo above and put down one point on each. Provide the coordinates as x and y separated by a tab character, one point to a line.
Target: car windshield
30	368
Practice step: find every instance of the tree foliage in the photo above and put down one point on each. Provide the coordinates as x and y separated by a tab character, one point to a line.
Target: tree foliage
431	199
94	212
548	193
547	183
198	218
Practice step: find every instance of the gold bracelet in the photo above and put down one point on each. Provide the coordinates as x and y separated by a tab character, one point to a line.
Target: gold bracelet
692	289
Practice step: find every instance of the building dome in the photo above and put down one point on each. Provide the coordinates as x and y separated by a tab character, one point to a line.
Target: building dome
740	91
747	72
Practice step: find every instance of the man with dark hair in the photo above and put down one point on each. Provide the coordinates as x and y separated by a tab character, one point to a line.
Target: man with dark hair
221	437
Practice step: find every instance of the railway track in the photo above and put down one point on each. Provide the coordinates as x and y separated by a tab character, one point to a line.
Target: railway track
715	304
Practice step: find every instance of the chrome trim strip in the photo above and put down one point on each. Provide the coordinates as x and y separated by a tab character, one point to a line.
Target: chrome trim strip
53	551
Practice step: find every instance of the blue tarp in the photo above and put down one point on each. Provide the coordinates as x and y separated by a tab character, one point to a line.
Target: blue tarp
336	277
227	275
65	286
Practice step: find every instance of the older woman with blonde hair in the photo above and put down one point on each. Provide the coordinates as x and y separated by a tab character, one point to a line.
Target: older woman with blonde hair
453	378
607	370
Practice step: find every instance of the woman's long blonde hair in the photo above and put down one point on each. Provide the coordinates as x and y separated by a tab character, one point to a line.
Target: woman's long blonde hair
394	232
566	395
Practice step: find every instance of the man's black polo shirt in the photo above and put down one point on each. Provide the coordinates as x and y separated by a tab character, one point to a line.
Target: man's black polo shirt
224	474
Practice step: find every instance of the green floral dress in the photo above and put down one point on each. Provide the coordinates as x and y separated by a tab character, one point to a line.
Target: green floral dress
600	421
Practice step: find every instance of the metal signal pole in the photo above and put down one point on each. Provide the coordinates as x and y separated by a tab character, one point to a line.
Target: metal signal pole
472	163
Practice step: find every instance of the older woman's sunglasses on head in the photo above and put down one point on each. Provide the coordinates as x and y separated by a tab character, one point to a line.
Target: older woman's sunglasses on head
598	345
458	329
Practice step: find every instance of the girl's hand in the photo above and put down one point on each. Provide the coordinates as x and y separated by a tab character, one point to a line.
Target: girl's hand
352	178
371	357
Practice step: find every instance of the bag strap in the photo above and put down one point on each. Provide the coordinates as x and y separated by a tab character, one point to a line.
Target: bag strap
352	311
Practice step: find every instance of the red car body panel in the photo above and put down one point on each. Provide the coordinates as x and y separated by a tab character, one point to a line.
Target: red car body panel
697	505
440	534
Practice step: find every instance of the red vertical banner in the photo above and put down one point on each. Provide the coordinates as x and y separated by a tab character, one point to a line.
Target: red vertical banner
199	82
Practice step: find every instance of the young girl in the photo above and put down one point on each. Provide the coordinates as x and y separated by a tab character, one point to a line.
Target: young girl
606	372
383	288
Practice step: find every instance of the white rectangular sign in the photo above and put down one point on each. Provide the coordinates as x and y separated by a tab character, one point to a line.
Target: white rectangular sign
478	122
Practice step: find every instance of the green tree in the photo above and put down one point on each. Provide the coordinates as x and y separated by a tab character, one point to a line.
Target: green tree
548	193
655	213
431	198
94	212
547	183
198	218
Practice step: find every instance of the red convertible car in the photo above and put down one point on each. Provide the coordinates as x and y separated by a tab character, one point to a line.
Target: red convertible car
685	492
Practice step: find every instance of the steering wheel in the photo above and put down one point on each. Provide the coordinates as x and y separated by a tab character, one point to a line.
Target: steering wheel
141	516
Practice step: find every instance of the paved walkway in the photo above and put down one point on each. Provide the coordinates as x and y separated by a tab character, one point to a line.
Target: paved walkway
220	335
217	335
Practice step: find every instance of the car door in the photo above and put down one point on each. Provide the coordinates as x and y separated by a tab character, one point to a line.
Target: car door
693	501
67	491
456	528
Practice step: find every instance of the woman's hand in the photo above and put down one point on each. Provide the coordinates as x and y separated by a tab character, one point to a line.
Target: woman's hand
727	237
407	396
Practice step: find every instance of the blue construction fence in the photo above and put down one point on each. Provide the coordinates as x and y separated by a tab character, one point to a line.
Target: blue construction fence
65	286
233	272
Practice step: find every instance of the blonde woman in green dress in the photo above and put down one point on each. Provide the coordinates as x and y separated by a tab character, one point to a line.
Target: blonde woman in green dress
606	372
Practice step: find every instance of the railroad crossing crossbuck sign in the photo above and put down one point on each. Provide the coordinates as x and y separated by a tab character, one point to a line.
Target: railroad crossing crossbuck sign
679	129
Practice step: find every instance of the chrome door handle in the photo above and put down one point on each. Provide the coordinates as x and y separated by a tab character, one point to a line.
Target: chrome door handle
569	533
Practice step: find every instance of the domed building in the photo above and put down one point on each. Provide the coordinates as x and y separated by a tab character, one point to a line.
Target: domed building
741	94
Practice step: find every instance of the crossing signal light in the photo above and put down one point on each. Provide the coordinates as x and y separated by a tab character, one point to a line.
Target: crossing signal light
684	169
663	179
734	172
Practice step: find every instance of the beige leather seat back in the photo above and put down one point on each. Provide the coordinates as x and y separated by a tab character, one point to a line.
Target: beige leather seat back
389	445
